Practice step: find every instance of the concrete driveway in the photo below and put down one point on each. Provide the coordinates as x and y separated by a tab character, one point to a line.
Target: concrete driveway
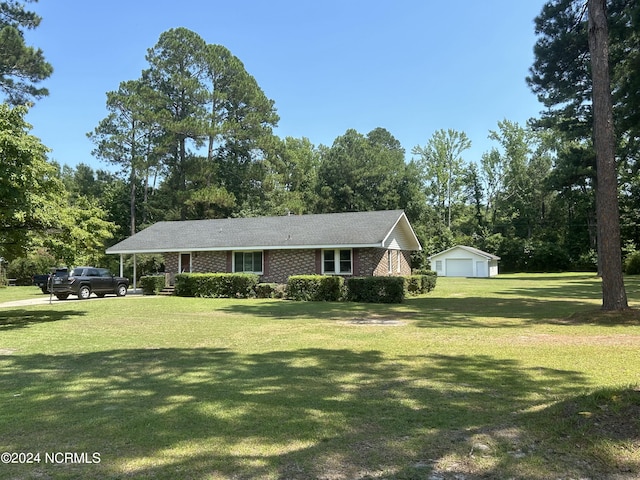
44	300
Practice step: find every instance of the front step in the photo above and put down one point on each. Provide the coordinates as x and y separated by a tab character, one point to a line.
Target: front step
167	291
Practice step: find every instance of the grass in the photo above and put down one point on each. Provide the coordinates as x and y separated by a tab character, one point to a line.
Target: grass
9	294
519	377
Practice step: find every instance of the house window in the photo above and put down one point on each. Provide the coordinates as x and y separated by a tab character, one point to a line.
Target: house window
438	265
337	262
389	262
399	258
248	262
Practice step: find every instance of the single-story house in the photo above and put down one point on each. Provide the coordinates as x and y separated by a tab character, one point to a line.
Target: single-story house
357	243
462	261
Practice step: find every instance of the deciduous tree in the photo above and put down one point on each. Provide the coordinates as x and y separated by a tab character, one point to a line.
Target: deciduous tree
31	194
443	166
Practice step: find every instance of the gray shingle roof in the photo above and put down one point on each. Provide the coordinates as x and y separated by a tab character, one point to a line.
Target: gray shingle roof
358	229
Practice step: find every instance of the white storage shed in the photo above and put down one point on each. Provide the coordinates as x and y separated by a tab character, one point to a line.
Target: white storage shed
463	261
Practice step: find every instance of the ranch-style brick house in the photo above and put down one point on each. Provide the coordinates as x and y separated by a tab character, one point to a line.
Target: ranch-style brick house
349	244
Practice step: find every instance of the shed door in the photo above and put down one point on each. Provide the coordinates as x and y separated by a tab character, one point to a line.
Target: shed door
459	267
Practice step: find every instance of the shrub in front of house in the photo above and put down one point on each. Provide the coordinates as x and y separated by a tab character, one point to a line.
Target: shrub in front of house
423	281
271	290
184	285
376	289
413	285
216	285
315	288
152	284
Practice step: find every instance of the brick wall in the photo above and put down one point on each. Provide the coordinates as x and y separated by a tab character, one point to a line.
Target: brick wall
374	261
284	263
280	264
209	262
171	262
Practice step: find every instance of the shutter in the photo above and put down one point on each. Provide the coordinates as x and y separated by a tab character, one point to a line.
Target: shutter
319	261
356	262
265	263
229	261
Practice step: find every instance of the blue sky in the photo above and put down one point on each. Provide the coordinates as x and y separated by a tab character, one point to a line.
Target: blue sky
410	66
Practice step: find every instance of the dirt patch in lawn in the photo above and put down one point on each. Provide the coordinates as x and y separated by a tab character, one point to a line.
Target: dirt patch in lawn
374	320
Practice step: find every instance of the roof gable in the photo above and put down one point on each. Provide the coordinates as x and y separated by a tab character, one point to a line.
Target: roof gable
354	229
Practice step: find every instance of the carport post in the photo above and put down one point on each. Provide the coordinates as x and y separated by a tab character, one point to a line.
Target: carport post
121	266
135	273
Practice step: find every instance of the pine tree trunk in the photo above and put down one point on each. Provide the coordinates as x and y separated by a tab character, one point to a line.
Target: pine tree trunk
614	296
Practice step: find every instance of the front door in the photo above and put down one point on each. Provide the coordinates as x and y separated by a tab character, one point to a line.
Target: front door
185	263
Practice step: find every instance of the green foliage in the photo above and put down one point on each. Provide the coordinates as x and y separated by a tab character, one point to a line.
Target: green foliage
443	169
152	284
361	173
20	65
216	285
271	290
422	281
519	255
24	268
200	94
81	233
185	285
376	289
315	288
632	264
33	196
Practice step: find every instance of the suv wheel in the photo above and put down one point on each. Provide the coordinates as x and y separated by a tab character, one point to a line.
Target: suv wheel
84	292
122	290
62	296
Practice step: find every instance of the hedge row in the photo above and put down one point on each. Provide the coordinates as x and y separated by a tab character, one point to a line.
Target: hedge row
315	288
216	285
299	287
376	289
359	289
152	284
420	283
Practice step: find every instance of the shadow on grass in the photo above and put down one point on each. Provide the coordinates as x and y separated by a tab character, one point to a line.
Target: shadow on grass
582	287
304	414
511	303
427	311
22	318
605	424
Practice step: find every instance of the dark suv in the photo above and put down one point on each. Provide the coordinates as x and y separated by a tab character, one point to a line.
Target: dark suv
83	281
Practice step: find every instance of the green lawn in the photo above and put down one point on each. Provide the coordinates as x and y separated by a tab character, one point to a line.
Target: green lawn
519	377
10	294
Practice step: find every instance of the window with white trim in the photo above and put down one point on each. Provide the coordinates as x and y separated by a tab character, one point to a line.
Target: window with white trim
337	262
399	261
247	262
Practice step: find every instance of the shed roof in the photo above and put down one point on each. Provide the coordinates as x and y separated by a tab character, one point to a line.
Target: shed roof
473	250
354	229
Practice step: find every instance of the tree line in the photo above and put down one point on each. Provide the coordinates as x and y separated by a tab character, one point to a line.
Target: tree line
193	138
